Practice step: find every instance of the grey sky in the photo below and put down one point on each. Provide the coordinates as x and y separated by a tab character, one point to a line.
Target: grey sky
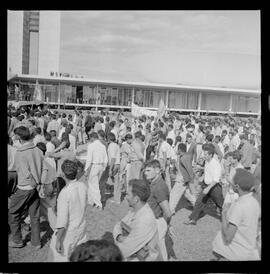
215	48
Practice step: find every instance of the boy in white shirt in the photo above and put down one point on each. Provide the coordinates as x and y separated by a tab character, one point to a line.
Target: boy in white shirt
71	222
237	239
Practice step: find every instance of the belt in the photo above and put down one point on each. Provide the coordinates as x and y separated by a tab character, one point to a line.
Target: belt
98	163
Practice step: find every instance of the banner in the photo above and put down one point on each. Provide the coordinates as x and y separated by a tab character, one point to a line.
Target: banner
137	111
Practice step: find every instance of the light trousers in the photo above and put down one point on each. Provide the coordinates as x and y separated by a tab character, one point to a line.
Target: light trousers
94	196
175	195
162	230
71	240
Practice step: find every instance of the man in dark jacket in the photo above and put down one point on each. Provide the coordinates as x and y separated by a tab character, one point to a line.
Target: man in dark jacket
88	123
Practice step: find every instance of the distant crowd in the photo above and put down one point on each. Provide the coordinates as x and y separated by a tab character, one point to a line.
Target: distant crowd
152	162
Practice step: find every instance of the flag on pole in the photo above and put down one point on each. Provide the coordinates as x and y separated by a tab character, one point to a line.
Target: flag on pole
37	97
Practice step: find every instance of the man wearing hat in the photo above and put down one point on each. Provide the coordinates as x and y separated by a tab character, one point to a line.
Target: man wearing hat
237	239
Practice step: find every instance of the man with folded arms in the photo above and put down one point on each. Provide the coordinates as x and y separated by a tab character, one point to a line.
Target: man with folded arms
137	234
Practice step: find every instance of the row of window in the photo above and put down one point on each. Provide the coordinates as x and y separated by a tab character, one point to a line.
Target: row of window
104	95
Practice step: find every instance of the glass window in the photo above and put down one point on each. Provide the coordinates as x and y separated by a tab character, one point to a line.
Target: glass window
157	96
219	102
183	99
124	96
242	103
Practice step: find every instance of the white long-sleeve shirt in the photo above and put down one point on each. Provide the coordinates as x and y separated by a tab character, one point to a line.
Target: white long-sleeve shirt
96	154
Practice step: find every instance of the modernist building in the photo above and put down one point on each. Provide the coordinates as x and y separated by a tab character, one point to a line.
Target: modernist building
86	93
33	42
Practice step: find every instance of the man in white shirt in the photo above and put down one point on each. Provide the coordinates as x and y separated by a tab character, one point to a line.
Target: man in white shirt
53	125
137	233
38	137
71	222
211	187
96	163
237	240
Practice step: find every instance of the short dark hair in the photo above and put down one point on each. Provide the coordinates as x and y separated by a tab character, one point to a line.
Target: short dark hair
182	147
23	132
47	136
170	141
111	137
101	133
96	250
70	169
153	163
236	155
140	188
42	147
209	148
112	124
244	179
128	136
209	137
93	135
137	134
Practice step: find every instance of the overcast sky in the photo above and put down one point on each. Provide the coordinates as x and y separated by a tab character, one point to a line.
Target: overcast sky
213	48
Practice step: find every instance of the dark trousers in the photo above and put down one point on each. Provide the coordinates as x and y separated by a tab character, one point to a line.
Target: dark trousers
12	182
21	202
102	185
215	194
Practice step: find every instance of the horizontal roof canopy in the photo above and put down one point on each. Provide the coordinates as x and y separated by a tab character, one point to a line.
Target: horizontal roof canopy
85	81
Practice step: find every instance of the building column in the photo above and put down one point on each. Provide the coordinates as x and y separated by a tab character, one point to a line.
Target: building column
132	96
58	95
199	101
97	97
231	103
167	99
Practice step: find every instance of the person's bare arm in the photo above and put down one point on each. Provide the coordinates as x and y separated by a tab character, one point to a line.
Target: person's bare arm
59	240
167	214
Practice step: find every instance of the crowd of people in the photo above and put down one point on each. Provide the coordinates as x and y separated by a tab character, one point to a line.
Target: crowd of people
151	161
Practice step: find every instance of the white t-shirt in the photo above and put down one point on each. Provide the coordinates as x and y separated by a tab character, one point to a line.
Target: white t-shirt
114	152
244	213
164	147
11	158
72	141
96	153
212	171
172	154
71	206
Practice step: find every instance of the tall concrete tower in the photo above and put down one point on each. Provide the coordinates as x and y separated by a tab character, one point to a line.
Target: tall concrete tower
34	42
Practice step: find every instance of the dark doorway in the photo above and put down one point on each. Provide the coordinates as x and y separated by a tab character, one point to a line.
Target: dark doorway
79	94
